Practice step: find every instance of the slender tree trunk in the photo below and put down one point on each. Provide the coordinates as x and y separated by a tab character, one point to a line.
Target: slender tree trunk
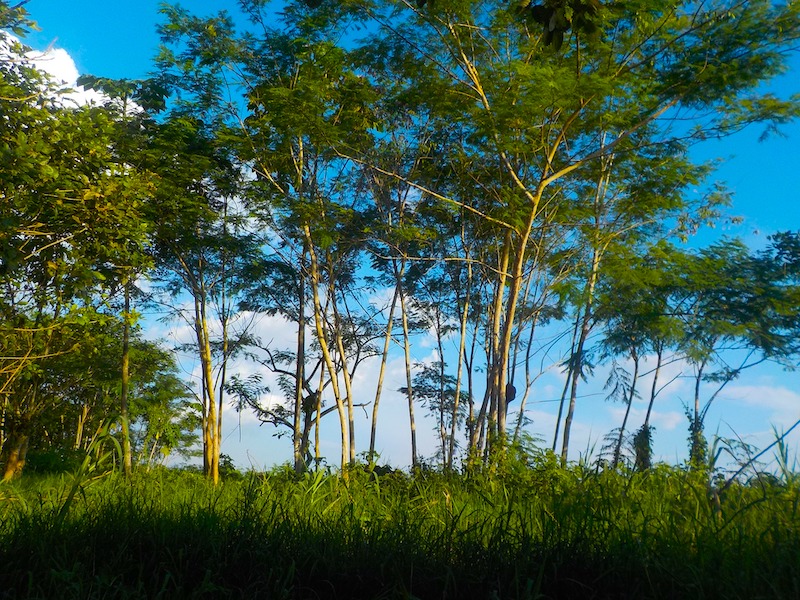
317	419
210	440
499	351
697	448
575	373
223	372
3	420
459	372
643	439
528	382
479	434
348	384
572	350
15	453
82	418
338	336
631	395
697	380
577	361
387	340
152	456
488	404
654	387
300	438
573	382
410	390
472	425
15	457
308	422
127	461
442	392
224	322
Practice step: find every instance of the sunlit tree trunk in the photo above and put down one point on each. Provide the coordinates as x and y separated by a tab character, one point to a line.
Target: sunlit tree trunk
125	380
80	426
480	433
317	448
324	346
498	362
15	454
211	447
469	361
338	334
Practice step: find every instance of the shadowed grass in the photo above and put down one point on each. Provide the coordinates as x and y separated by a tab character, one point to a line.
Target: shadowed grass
542	532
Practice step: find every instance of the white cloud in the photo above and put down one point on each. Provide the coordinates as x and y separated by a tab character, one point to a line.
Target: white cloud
663	421
783	404
57	64
667	421
60	66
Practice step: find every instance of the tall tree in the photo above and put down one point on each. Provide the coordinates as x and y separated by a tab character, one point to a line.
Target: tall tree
132	102
303	95
546	147
737	311
524	145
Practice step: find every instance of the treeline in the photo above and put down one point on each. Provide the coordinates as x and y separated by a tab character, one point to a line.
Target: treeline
486	169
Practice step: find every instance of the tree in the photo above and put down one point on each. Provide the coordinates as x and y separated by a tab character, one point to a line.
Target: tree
131	102
721	310
302	93
200	247
527	146
71	212
634	309
737	311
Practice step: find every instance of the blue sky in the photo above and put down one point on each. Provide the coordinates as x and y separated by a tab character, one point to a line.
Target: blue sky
112	39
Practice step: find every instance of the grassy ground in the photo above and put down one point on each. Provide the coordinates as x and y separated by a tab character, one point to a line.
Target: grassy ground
537	532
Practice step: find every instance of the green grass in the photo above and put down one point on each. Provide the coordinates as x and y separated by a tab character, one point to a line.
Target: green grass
539	532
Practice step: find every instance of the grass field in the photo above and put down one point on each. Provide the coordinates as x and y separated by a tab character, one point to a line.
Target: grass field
527	531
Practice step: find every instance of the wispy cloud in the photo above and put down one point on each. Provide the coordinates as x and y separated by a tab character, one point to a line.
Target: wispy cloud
782	403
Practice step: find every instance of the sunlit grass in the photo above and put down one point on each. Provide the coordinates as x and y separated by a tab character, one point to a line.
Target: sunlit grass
524	532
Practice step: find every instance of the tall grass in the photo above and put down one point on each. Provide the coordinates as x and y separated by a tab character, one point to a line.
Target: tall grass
535	531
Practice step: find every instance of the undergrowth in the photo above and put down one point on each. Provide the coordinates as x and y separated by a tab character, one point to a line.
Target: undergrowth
535	532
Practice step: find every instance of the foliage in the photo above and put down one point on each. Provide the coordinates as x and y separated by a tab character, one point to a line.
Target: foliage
71	224
490	168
